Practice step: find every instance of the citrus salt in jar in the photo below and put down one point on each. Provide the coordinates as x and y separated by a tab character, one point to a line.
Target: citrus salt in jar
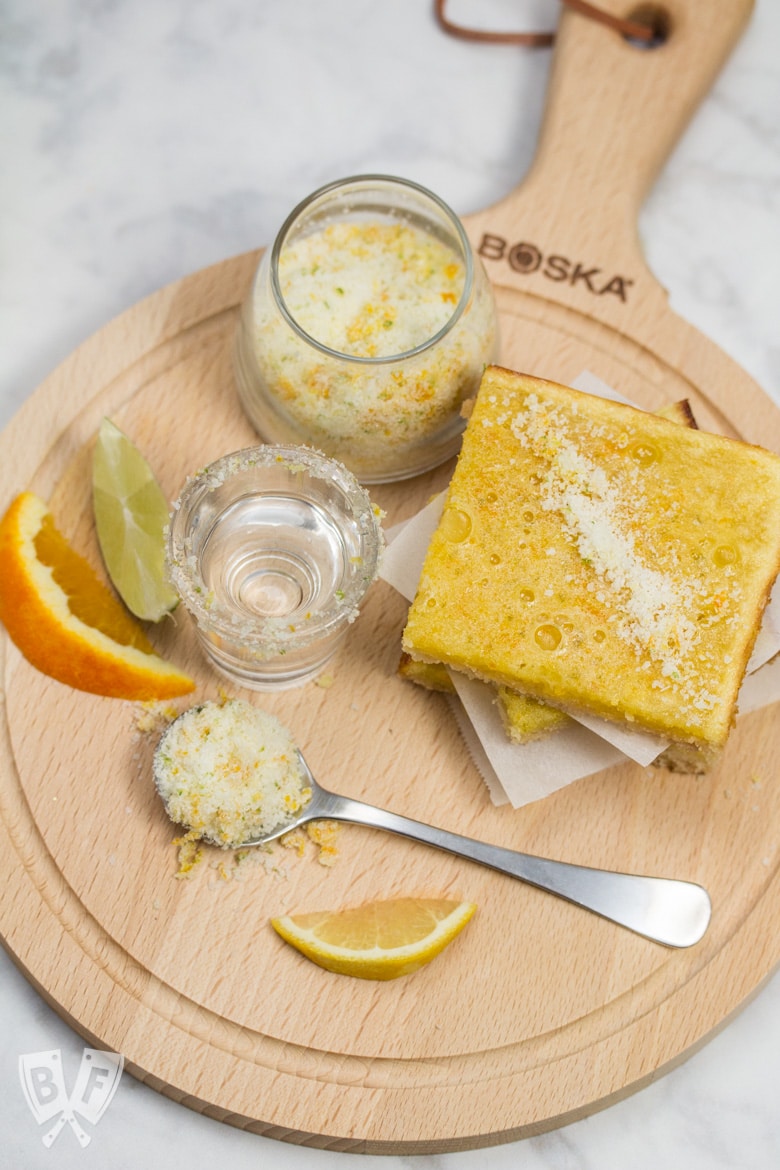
369	322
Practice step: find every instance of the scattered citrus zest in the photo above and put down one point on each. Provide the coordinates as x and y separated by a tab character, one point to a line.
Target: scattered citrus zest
131	513
380	940
65	621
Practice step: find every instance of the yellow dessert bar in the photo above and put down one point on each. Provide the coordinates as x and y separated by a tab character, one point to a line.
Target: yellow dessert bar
431	675
602	560
523	718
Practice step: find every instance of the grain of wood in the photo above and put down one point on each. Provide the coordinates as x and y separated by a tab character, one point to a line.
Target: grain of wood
540	1013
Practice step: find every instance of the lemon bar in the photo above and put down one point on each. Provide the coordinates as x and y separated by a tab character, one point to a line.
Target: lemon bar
431	675
523	718
601	559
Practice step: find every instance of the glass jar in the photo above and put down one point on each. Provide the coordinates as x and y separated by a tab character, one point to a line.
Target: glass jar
369	323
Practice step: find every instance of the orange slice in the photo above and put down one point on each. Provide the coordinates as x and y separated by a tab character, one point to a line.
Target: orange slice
65	621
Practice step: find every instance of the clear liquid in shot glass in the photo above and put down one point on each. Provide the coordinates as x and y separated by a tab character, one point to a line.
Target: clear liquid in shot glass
274	556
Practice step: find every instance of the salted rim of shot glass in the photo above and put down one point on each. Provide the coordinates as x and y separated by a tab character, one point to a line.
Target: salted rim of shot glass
260	636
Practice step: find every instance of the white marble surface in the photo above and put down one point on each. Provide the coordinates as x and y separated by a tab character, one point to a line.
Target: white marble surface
143	139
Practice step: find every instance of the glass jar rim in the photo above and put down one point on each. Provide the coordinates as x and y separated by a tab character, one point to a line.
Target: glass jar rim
276	632
395	181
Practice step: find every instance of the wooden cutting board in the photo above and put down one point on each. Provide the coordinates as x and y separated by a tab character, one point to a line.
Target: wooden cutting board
539	1013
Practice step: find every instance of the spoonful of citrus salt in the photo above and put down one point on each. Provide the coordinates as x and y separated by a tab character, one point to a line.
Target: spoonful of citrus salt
232	774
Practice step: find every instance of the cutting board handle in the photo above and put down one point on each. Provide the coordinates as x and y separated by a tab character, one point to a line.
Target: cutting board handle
614	111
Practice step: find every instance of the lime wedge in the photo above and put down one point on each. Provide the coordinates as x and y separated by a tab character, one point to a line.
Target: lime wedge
131	513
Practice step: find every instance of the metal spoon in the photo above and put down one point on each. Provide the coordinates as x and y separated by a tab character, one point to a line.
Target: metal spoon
675	913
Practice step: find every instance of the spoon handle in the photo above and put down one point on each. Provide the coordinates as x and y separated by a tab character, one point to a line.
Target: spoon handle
675	913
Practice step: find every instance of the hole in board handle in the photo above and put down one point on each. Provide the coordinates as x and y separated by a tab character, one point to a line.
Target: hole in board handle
655	17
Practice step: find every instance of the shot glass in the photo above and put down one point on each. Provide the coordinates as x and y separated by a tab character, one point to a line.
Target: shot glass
272	550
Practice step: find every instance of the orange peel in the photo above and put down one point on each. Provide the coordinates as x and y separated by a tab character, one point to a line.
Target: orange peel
66	622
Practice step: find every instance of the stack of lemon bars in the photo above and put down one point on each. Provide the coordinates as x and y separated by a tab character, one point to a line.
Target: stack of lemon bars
593	559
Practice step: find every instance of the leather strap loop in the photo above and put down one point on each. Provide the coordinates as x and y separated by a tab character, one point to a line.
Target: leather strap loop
627	28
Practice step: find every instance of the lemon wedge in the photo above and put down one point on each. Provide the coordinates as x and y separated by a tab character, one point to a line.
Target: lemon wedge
131	513
379	940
